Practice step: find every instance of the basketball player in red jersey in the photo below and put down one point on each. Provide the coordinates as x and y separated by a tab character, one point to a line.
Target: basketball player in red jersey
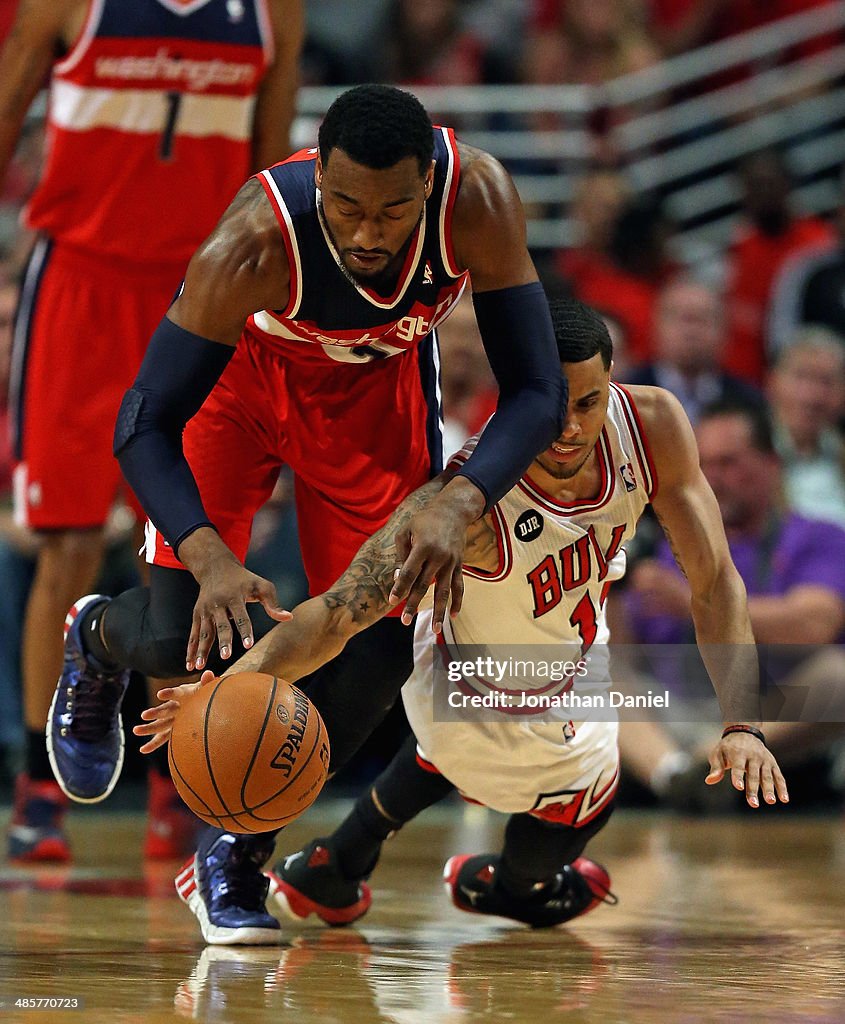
538	566
305	335
158	111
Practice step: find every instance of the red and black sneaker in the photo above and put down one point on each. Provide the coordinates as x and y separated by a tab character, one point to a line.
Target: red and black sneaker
576	889
310	882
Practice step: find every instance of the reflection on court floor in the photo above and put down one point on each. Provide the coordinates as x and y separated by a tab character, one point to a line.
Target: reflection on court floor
719	920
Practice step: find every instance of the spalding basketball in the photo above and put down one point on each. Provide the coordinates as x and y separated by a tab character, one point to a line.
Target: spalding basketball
248	753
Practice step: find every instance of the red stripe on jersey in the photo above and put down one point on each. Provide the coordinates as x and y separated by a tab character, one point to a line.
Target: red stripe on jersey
551	504
289	246
427	766
503	547
297	158
450	202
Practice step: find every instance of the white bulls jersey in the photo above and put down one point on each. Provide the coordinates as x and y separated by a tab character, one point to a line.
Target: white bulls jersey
556	562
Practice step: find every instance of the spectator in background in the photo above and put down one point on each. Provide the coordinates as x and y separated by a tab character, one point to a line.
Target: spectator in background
587	42
810	288
625	284
681	25
771	233
426	44
598	199
794	571
689	336
806	388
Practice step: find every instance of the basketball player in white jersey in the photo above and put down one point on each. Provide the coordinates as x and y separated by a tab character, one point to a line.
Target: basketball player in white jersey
537	568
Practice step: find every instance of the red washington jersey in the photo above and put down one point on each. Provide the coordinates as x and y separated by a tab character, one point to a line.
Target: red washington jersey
330	316
150	125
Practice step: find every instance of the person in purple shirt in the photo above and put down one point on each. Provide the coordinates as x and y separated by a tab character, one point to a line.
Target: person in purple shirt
794	571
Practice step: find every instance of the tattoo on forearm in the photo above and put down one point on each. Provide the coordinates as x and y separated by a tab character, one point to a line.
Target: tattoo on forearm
671	543
365	586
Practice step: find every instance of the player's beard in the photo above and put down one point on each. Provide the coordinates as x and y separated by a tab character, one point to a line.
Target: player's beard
385	281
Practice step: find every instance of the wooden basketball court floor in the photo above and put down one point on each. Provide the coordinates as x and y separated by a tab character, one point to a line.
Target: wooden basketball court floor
719	920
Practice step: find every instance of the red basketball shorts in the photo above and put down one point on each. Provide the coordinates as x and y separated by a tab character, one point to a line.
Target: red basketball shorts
357	437
82	328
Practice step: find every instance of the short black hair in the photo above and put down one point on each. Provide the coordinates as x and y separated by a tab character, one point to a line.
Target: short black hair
755	414
580	332
377	126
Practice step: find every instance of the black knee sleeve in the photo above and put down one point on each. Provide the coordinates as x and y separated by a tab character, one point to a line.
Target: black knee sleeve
148	628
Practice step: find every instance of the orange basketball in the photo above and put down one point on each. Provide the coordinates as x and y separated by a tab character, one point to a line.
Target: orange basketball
248	753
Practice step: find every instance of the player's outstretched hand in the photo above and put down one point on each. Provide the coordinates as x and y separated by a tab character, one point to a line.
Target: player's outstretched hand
752	767
157	722
225	589
432	547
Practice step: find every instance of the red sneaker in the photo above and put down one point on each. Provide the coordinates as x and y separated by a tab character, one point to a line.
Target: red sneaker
36	833
171	828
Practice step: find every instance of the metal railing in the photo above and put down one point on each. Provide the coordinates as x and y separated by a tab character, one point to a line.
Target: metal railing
677	127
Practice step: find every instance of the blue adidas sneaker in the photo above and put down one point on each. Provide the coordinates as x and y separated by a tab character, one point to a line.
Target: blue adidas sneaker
224	887
84	729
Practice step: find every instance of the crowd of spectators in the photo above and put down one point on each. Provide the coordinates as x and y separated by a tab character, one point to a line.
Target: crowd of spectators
760	339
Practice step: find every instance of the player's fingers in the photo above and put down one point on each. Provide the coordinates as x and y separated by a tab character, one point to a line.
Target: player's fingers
717	767
442	588
207	634
152	728
403	544
155	743
243	623
780	784
183	690
738	777
168	709
407	577
193	641
265	592
752	783
224	632
417	593
767	784
457	589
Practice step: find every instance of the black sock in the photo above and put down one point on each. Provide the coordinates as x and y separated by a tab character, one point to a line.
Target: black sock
357	840
402	790
89	630
37	761
536	850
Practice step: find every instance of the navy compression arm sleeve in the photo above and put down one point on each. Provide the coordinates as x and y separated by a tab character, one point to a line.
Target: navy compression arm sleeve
177	375
519	340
